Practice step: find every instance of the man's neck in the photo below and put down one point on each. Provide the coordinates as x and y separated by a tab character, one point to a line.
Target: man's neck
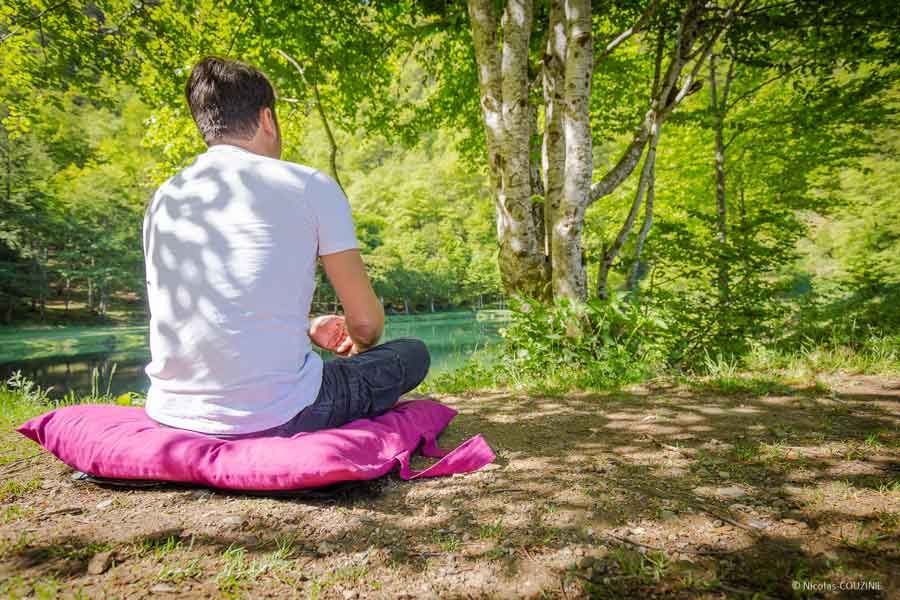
252	145
242	144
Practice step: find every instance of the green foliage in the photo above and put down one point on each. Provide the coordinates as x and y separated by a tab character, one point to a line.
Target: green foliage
601	343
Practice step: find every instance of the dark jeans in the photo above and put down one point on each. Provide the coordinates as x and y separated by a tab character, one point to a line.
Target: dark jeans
364	385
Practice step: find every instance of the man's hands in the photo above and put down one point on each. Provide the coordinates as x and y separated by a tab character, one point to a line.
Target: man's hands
364	313
329	332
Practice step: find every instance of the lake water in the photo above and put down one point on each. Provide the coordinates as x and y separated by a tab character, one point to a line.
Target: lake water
450	338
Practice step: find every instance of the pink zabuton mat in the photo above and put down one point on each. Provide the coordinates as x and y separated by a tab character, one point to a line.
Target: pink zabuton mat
121	442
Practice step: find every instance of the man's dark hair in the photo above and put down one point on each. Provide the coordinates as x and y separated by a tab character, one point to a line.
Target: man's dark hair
225	97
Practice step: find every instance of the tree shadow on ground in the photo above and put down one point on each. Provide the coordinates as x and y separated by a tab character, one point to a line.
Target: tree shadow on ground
655	492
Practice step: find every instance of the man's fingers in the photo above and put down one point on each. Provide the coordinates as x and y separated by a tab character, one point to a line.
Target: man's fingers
344	347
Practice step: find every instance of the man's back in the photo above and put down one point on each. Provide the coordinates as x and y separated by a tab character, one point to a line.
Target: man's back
231	245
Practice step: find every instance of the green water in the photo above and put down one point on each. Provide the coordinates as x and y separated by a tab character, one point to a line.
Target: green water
65	358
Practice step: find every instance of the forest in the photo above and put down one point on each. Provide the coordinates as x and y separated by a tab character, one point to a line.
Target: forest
678	212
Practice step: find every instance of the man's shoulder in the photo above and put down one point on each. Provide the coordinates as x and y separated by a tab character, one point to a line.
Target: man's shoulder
309	175
312	183
263	170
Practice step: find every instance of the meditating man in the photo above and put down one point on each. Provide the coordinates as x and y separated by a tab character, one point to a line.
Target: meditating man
230	244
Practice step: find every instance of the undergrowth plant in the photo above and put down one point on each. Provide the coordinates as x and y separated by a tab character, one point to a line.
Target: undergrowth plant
594	344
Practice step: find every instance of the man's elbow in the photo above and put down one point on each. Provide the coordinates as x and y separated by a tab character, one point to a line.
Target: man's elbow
367	333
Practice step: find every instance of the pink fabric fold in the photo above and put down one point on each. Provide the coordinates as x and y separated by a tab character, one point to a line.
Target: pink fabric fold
124	443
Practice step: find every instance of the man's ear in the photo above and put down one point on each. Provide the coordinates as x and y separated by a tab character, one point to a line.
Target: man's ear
267	121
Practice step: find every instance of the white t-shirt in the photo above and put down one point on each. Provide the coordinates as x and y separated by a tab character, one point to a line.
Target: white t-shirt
230	246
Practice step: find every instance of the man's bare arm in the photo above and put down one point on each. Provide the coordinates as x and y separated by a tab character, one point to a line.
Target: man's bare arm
363	312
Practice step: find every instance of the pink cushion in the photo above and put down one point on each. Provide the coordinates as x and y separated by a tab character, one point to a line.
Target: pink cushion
122	442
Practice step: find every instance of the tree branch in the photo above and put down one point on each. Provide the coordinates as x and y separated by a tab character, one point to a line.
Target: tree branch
318	100
751	92
626	34
36	17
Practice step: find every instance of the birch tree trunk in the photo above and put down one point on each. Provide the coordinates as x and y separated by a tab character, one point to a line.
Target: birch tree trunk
567	257
553	148
636	269
503	84
541	247
672	90
635	275
610	254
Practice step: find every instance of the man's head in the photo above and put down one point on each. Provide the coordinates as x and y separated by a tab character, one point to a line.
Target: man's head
233	103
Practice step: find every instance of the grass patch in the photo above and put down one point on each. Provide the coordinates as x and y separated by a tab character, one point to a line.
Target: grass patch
12	489
239	569
180	572
159	548
446	541
493	531
354	576
647	567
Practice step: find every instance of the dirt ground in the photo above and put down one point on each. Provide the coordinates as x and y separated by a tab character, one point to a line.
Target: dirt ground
659	492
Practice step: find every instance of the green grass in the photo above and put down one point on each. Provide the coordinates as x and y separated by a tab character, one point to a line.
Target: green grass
447	542
12	489
647	567
240	569
177	573
159	548
765	370
873	355
493	531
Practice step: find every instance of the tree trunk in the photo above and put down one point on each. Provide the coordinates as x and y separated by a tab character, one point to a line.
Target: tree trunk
553	147
637	271
45	285
636	268
503	84
90	298
568	260
612	252
719	106
501	53
102	305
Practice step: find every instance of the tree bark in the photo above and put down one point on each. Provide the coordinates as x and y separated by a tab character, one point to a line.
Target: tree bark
612	252
569	278
719	108
503	84
42	268
635	274
553	147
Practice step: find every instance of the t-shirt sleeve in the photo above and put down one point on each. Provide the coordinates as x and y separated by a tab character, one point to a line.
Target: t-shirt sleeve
334	222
